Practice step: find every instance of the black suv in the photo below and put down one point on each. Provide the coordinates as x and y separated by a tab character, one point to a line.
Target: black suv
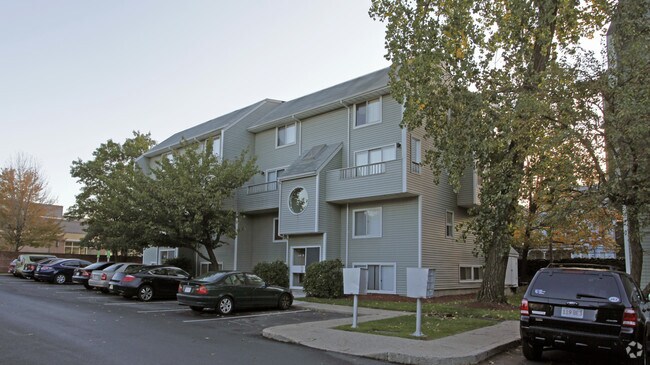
583	307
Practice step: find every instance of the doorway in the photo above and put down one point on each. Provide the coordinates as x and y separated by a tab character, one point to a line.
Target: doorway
301	258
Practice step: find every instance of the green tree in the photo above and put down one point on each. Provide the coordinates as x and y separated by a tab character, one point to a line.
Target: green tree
189	199
24	211
492	84
108	202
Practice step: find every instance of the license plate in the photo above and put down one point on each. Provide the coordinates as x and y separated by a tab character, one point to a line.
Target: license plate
572	313
187	289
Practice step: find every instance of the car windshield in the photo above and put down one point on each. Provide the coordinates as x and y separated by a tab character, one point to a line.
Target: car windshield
113	267
211	277
133	269
575	285
95	265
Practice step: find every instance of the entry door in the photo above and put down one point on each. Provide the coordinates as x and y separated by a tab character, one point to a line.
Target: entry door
301	257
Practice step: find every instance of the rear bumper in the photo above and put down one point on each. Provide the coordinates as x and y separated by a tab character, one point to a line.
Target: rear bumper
193	301
44	276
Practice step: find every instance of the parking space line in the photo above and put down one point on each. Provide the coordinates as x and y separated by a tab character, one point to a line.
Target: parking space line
240	317
164	310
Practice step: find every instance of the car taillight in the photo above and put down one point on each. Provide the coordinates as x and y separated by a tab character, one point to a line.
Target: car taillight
180	288
85	273
523	309
104	276
128	278
629	318
201	290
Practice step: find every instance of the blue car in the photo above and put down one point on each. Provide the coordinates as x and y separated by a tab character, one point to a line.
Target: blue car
59	271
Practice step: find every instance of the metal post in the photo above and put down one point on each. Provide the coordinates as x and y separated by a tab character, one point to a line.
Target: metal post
354	311
418	319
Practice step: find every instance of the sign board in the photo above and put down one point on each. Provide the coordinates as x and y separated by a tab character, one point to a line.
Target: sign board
420	282
355	281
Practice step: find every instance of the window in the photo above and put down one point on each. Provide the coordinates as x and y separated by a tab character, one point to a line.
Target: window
166	254
367	223
286	135
367	113
276	229
416	155
216	146
449	225
254	280
381	277
272	178
368	162
74	248
471	273
298	200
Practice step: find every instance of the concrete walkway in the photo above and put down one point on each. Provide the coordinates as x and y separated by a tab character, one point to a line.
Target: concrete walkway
465	348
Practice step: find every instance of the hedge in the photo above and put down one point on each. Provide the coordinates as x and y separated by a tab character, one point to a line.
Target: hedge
324	279
273	273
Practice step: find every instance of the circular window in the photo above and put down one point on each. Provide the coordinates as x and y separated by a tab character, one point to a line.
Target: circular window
298	200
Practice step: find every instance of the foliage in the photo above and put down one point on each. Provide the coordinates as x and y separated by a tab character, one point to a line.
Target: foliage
273	273
189	198
324	279
25	218
180	262
108	202
494	85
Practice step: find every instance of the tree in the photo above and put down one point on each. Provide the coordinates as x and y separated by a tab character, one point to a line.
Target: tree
492	84
25	218
108	202
189	199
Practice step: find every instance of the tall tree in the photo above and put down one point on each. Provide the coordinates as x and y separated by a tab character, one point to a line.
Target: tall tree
189	201
25	218
107	204
488	80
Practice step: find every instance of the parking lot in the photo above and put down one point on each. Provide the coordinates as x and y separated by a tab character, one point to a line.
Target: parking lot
67	323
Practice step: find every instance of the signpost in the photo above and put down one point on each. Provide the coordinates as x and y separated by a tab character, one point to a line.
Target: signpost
419	284
355	281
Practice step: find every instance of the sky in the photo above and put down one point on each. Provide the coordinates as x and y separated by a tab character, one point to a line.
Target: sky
76	73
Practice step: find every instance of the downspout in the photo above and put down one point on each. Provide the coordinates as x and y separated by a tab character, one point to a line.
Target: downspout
347	157
347	233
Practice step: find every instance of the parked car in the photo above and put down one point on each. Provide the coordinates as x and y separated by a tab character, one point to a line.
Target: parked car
226	291
29	269
117	277
82	274
25	259
151	282
582	308
100	279
59	271
12	266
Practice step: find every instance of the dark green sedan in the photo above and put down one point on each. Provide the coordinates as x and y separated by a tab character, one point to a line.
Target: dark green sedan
226	291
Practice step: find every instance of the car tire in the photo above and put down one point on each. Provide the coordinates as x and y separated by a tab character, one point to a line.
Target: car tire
284	302
88	287
196	309
531	351
225	305
37	280
145	293
104	290
59	279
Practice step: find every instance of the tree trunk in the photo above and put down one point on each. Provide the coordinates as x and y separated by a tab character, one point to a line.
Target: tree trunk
636	251
494	274
524	262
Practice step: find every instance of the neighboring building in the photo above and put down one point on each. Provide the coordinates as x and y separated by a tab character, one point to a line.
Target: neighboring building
340	179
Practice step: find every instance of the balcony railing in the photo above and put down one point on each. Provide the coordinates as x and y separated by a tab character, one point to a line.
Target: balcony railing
262	188
365	170
416	167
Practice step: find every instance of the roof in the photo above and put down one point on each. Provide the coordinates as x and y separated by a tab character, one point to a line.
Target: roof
312	161
347	93
207	128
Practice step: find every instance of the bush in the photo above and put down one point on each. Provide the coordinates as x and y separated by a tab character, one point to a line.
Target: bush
324	279
180	262
273	273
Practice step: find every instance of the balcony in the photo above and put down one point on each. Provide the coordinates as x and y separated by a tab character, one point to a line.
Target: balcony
258	197
369	182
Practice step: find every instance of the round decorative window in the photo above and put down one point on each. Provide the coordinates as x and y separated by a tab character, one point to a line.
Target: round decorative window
298	200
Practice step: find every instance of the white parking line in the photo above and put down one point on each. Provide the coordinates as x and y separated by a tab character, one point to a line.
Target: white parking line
164	310
249	316
125	303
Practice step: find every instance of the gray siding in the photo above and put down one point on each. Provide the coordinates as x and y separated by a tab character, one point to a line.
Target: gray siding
304	222
468	192
330	215
238	139
263	248
269	157
341	189
328	128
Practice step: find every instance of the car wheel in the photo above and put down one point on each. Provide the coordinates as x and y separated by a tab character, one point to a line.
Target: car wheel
225	305
285	302
104	290
88	287
531	351
59	279
35	279
196	309
145	293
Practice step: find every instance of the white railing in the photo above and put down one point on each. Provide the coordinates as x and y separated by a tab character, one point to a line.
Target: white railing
262	188
365	170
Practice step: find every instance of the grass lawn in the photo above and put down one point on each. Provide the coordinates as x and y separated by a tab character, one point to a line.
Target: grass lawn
440	318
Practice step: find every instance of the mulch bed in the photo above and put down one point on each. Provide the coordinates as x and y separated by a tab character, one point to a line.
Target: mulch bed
468	298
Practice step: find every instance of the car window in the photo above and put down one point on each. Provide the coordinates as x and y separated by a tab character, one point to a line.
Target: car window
113	267
254	280
178	272
630	287
212	277
133	269
236	279
71	263
575	285
161	271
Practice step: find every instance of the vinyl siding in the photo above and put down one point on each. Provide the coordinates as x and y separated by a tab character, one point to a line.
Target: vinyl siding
260	240
269	157
330	214
304	222
329	128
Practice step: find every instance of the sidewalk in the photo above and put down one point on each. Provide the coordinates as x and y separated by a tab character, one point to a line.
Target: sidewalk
464	348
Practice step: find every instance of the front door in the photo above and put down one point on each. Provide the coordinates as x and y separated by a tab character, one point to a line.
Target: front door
301	257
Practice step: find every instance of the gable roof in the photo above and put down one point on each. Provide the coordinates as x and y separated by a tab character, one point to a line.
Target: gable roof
312	161
332	98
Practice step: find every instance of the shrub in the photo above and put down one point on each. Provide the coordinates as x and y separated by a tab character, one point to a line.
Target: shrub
180	262
324	279
273	273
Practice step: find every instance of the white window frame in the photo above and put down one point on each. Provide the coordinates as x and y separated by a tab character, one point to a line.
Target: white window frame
354	223
393	145
295	135
213	141
380	264
367	102
449	226
416	155
275	233
160	253
471	267
267	174
74	245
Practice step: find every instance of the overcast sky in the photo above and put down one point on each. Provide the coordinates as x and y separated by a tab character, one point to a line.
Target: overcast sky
76	73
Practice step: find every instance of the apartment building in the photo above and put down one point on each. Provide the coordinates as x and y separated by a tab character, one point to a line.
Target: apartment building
340	178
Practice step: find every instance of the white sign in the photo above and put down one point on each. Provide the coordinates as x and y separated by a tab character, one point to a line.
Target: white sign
355	281
420	282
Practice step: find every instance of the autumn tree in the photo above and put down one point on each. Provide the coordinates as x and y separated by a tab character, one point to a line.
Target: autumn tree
492	84
107	205
25	218
189	199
